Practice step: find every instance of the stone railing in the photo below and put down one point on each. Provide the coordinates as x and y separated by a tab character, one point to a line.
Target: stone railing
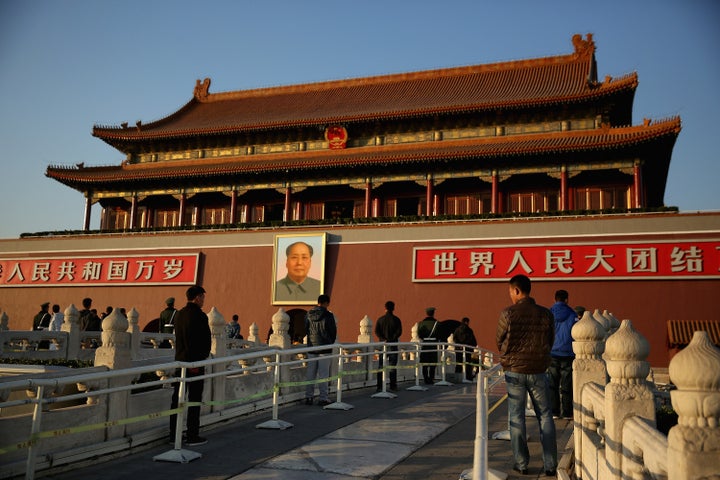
71	343
615	435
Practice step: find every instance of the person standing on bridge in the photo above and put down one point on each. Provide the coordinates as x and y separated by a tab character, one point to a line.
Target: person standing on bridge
560	370
321	329
388	328
428	332
192	344
524	337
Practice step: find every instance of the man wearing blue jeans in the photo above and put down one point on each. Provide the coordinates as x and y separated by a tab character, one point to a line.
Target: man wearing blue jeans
525	335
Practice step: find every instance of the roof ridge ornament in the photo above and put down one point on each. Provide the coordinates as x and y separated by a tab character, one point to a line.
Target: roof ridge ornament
202	89
583	46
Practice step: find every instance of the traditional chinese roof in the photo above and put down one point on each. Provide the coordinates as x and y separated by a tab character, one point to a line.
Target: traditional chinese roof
485	151
546	81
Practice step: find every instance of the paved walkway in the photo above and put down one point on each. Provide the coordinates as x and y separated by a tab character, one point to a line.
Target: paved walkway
419	434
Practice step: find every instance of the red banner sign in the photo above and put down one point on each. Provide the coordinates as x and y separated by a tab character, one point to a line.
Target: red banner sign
616	261
99	270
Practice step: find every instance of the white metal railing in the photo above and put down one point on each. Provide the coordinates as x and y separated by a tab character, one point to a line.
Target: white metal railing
281	370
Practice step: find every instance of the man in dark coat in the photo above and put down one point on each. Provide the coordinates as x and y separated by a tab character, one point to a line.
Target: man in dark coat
321	330
427	332
388	328
41	321
464	337
192	344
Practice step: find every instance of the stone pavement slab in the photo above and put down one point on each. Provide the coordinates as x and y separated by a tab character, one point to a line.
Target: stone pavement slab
428	435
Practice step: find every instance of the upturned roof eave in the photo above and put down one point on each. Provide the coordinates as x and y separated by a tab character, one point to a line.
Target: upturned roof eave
493	147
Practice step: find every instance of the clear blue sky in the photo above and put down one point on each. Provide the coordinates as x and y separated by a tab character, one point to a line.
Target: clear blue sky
68	65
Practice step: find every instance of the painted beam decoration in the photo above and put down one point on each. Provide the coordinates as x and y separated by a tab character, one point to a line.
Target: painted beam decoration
180	269
576	261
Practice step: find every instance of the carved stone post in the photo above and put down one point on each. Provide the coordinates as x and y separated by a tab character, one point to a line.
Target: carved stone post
628	394
115	354
218	348
588	367
414	339
694	443
365	337
598	317
134	331
280	325
71	325
253	331
365	330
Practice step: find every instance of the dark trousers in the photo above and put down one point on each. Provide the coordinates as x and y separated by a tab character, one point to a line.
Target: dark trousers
194	394
465	355
392	373
561	391
429	358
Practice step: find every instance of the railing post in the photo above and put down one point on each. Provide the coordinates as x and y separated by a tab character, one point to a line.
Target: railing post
276	423
218	348
71	325
694	443
417	386
338	404
588	367
114	353
628	394
443	348
34	430
383	393
134	330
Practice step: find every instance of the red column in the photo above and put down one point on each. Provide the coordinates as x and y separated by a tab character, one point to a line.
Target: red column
494	193
133	211
88	209
287	214
233	206
181	210
429	210
563	189
638	186
368	190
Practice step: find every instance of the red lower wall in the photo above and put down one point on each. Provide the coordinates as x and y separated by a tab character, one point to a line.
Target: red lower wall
366	267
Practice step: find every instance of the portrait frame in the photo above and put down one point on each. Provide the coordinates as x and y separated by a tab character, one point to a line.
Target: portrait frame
283	295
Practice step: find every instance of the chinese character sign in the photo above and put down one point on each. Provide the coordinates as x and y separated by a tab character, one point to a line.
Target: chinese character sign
661	260
101	270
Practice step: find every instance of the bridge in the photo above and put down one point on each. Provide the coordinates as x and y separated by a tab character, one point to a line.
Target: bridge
418	434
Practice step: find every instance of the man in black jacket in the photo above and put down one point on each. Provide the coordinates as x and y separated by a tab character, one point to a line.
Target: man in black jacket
192	344
388	328
321	330
464	337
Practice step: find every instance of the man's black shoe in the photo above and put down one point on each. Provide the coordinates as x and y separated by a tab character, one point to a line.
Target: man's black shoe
521	471
308	401
323	403
551	473
195	441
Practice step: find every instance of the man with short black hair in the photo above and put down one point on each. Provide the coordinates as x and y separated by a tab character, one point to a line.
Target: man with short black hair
562	356
321	330
388	328
428	333
525	335
192	344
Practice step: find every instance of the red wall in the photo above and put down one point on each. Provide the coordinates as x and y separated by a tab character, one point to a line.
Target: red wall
363	270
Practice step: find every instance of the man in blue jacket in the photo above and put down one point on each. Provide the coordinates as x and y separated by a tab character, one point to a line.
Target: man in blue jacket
560	370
